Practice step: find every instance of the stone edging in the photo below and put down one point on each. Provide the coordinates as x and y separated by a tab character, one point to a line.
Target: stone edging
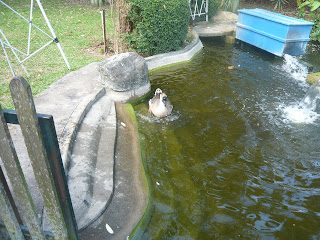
67	138
185	54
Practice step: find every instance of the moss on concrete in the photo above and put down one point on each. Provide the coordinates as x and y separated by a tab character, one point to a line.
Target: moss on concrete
313	77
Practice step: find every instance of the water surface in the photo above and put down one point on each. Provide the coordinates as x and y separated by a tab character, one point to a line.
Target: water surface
229	163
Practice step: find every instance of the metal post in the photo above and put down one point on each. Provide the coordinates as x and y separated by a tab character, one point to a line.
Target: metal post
30	27
207	10
53	37
53	34
52	148
15	54
8	59
103	17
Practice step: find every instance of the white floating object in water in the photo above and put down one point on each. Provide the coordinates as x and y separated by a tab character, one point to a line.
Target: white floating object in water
109	229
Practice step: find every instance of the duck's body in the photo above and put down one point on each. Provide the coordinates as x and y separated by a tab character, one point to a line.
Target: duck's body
160	105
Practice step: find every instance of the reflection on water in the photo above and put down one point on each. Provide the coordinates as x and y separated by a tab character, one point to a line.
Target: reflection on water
229	164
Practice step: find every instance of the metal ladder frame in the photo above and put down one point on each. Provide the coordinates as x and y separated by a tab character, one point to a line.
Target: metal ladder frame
4	42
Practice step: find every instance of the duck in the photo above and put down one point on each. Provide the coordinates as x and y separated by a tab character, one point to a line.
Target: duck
160	105
157	93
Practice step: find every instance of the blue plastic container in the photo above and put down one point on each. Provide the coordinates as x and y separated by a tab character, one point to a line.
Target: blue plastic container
273	32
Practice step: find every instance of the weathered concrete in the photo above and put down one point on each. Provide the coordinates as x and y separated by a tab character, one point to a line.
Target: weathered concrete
185	54
90	178
225	17
224	24
131	195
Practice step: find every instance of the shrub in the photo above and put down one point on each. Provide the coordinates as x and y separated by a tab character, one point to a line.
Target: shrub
314	16
229	5
158	26
213	8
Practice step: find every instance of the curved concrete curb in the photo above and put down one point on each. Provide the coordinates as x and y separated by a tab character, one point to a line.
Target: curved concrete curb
67	137
90	177
185	54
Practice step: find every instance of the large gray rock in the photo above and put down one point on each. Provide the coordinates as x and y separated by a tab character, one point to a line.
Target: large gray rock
225	17
126	74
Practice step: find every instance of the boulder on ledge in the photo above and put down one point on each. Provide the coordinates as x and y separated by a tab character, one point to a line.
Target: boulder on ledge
225	17
126	75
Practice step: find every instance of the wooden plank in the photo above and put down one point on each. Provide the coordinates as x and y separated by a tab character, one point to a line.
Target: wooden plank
18	182
9	195
53	152
27	116
8	216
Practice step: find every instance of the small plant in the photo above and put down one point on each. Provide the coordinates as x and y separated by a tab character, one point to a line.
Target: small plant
279	4
213	8
314	16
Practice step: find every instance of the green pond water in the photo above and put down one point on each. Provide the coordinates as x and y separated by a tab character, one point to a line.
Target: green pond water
229	163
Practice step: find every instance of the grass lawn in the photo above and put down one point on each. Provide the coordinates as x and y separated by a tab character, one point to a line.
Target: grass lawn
78	28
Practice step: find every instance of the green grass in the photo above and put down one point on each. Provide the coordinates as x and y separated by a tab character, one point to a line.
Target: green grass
78	27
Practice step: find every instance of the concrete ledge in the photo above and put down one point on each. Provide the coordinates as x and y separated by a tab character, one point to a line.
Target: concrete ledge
215	29
67	137
185	54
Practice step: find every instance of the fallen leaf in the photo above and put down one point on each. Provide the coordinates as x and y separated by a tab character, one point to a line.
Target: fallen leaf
230	67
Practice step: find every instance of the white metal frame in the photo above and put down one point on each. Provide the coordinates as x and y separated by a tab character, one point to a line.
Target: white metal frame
5	42
198	8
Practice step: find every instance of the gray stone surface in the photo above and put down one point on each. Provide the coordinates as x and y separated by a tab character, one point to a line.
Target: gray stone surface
125	72
224	24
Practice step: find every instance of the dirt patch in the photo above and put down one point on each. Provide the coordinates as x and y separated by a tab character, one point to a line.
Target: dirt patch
97	49
289	9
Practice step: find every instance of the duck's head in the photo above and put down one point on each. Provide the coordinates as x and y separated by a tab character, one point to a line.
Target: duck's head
158	91
164	98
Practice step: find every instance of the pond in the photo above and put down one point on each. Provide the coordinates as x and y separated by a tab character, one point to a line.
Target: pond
230	163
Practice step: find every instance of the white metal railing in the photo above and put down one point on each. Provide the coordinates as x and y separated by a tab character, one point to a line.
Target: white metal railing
199	8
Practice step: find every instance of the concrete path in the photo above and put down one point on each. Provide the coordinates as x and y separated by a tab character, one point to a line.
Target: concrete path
223	24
